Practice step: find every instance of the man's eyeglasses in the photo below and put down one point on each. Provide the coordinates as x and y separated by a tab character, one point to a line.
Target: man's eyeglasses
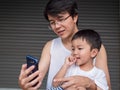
60	22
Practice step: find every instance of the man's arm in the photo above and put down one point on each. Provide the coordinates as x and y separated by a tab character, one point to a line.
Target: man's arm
25	82
45	59
101	62
78	81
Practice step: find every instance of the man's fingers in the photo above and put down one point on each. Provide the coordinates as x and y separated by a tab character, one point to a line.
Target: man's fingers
23	68
67	84
22	74
24	71
66	79
33	81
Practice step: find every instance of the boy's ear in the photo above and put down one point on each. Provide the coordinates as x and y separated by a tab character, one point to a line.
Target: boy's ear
94	52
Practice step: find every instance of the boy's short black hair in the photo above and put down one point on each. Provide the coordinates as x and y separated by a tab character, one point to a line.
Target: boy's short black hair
55	7
91	36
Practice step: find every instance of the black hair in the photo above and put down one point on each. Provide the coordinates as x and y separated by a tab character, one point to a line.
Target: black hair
55	7
91	37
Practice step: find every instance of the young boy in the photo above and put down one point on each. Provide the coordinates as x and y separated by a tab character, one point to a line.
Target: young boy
85	46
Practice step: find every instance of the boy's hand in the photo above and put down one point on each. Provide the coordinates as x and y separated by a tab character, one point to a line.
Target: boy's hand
70	60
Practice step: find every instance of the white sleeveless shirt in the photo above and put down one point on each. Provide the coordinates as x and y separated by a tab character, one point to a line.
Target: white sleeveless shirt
58	54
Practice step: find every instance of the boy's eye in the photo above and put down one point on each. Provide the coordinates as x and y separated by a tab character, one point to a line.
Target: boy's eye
73	49
80	48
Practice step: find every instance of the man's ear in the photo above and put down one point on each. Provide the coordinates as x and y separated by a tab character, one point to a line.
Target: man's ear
75	18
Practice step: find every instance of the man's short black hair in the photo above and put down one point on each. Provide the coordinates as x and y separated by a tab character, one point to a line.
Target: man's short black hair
55	7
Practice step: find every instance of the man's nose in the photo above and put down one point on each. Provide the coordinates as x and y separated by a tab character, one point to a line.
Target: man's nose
57	24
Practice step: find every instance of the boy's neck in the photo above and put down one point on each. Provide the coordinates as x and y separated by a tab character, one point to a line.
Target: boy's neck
87	67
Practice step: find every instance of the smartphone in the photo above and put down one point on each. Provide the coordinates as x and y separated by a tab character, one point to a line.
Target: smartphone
32	61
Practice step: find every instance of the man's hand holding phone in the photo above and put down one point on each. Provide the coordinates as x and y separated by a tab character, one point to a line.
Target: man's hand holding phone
30	78
32	61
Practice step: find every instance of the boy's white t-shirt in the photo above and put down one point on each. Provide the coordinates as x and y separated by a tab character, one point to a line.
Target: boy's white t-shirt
95	74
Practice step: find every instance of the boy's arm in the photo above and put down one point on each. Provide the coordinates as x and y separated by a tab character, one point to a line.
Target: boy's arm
62	72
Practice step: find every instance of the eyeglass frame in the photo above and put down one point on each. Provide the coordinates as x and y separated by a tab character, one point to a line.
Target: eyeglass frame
52	25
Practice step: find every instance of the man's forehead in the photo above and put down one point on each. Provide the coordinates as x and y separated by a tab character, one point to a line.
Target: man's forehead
62	14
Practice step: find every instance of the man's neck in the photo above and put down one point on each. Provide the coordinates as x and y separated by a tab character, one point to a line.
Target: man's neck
67	41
